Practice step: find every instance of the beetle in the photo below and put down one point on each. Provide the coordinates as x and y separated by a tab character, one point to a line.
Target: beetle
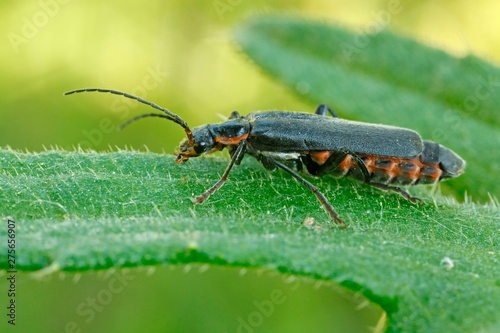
385	157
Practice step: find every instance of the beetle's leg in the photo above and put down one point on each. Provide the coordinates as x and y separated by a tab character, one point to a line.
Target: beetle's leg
235	158
234	115
233	149
333	162
398	190
323	109
321	198
366	175
268	165
330	165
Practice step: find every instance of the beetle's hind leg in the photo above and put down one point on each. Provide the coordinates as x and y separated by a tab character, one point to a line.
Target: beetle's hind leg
333	162
398	190
366	178
323	109
384	187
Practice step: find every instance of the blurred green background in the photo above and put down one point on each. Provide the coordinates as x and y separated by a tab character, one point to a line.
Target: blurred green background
178	54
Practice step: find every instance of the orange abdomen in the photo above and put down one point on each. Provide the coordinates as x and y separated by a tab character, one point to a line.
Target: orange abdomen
384	170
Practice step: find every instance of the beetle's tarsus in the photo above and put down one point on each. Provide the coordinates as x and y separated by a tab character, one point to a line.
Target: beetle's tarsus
398	190
200	199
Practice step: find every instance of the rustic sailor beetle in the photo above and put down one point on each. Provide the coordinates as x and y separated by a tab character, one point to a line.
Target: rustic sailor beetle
384	157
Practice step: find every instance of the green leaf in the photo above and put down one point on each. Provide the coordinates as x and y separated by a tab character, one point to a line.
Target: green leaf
78	211
388	79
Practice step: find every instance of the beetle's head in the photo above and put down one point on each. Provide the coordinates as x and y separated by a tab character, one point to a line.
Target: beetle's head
202	142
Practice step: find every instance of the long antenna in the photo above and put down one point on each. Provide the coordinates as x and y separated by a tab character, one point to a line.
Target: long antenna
168	114
145	115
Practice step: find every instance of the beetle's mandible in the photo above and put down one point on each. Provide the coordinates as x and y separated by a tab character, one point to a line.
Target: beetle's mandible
382	156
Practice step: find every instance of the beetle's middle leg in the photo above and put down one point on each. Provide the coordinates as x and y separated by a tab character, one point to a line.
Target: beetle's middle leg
321	198
333	162
236	158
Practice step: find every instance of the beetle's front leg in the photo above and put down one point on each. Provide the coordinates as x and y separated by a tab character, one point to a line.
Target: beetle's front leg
236	157
233	150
